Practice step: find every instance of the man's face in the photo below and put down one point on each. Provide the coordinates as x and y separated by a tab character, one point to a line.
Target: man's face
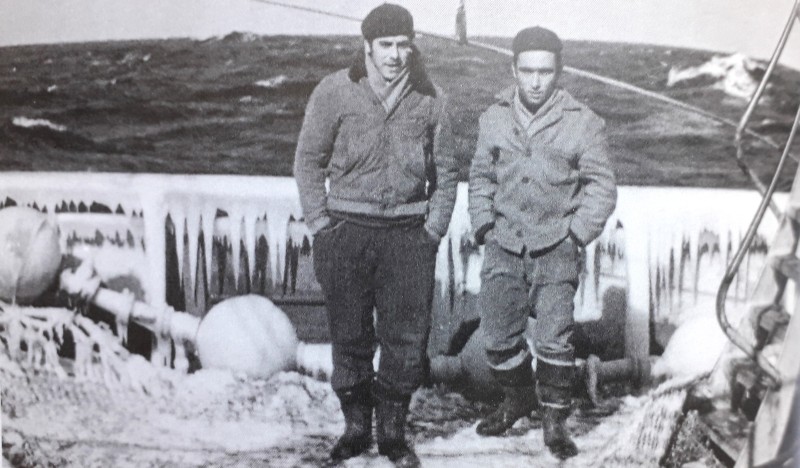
390	55
536	73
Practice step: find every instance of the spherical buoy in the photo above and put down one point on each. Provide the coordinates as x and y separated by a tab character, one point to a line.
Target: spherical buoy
247	334
29	253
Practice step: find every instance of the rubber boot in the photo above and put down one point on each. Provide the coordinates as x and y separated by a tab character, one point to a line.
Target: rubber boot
390	428
556	436
518	402
357	407
555	374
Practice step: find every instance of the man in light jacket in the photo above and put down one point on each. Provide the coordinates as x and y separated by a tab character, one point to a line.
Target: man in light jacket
379	135
541	188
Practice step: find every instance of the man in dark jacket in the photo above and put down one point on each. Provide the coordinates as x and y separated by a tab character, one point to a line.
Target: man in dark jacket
377	134
541	188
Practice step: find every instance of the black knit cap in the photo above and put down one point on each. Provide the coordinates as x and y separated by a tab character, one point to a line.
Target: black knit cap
387	20
536	38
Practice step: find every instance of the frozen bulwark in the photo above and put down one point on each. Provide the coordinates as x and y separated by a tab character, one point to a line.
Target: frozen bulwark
665	248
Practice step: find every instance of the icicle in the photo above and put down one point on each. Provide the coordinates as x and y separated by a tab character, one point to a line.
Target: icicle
123	316
261	231
587	305
14	327
298	232
177	213
638	264
155	245
277	222
235	215
458	232
193	228
160	354
208	215
122	330
472	281
250	217
458	265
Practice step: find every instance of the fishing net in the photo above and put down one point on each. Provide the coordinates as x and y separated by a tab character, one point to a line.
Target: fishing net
112	408
637	434
107	407
640	433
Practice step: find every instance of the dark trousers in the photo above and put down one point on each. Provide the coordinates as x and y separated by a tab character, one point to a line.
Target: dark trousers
515	286
388	270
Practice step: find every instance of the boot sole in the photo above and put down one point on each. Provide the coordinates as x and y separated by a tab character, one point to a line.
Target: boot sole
355	449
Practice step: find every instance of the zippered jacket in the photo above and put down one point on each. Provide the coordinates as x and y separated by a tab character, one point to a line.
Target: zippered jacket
385	164
539	184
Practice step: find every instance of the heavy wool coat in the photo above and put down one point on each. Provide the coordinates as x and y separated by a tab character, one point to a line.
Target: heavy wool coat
541	183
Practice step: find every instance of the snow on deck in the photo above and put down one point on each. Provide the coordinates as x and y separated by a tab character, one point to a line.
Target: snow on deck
216	418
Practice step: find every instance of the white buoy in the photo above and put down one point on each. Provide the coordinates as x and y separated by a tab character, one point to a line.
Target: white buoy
247	334
29	254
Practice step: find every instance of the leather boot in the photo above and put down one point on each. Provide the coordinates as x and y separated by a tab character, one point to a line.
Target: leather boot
518	402
556	436
390	428
357	406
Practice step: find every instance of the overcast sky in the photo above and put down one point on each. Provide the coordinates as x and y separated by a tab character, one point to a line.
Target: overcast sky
749	26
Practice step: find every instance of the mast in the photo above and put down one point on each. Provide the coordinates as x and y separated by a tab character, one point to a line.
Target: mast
461	24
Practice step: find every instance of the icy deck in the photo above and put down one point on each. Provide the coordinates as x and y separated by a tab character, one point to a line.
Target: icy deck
215	418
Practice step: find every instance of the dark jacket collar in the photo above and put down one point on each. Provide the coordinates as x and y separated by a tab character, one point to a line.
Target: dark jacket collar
418	76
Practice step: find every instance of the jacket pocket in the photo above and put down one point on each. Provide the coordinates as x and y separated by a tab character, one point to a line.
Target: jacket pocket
357	138
560	167
330	228
509	166
412	145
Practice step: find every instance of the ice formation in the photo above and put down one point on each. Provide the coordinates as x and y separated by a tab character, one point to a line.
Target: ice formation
734	74
253	207
665	247
99	358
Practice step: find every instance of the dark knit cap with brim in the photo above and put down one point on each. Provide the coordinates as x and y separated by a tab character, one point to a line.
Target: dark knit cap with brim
536	38
387	20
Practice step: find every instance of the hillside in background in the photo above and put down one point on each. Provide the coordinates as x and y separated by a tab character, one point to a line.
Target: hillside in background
234	105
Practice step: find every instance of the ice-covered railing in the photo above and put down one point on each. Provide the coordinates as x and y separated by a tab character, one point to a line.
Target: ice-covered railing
665	247
235	207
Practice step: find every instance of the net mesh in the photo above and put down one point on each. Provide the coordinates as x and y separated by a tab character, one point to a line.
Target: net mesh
110	408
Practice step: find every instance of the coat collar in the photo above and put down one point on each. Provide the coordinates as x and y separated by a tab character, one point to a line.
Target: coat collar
418	76
564	100
561	102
